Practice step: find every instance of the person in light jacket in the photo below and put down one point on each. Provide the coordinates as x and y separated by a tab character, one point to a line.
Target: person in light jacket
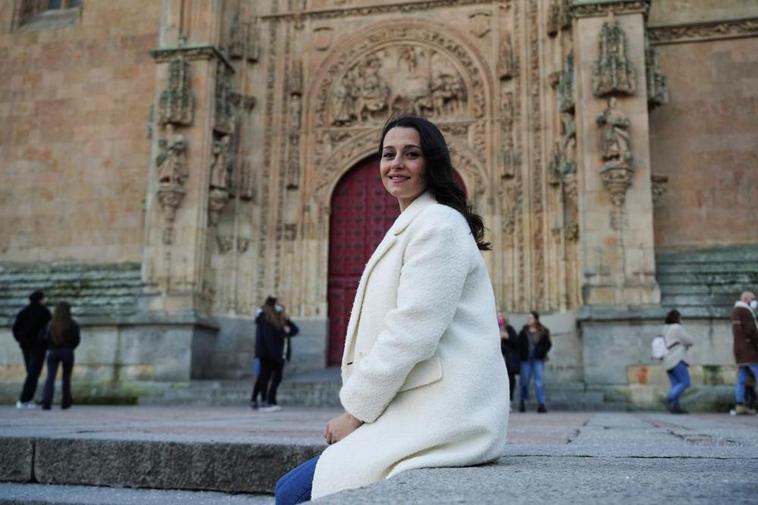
424	384
678	341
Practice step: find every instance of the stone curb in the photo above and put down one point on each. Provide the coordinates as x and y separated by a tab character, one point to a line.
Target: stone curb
209	466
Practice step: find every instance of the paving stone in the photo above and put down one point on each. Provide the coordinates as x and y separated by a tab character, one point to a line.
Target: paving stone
38	494
17	458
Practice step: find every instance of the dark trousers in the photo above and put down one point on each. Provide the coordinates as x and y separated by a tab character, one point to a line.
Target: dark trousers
34	360
511	382
55	357
268	380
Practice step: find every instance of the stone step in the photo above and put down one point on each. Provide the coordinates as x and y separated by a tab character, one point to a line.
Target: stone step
699	289
707	279
41	494
155	461
738	254
717	267
673	300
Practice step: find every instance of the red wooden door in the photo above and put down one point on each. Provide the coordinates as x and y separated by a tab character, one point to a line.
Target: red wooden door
361	213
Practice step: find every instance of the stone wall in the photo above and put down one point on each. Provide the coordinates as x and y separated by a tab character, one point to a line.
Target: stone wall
74	105
704	139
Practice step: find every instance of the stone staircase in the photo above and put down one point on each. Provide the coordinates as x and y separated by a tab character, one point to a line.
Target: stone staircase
109	290
706	283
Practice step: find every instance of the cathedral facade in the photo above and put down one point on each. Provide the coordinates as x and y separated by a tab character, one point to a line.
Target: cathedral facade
166	165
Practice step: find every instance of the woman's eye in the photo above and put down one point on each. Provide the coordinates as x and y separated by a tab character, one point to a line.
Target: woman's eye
388	156
413	155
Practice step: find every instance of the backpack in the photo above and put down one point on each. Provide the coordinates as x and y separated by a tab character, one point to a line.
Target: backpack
659	347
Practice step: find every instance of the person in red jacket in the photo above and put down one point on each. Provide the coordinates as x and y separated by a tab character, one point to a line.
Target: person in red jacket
745	333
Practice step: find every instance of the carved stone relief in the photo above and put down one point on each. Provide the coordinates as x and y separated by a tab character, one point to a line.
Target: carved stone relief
506	65
613	72
480	23
558	17
617	171
657	83
177	102
426	82
660	186
225	108
244	40
172	174
322	38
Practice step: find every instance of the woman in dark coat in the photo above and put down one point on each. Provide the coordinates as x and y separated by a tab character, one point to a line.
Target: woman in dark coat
534	344
272	346
62	338
510	349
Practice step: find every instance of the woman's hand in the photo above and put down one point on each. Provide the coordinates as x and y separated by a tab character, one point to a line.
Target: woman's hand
340	427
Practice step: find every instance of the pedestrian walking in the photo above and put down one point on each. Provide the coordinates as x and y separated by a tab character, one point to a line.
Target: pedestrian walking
509	349
272	348
62	336
27	330
423	382
534	344
745	334
675	361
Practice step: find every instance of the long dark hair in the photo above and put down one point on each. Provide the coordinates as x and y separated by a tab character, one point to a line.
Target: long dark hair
275	319
439	172
673	317
61	323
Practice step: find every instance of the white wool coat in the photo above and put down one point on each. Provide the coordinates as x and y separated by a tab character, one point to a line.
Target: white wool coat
676	334
422	364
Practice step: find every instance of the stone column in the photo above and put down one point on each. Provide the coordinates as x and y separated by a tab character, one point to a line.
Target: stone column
615	197
176	220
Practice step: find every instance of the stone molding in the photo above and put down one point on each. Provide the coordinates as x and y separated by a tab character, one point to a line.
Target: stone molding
600	8
204	52
372	10
698	32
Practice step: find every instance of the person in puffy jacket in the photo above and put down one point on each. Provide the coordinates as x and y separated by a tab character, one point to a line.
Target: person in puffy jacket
272	347
534	344
62	336
27	330
678	341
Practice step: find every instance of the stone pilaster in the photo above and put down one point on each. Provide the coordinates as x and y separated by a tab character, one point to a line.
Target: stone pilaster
613	153
176	215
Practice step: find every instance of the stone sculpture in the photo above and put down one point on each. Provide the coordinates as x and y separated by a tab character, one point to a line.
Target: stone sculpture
613	72
617	171
176	105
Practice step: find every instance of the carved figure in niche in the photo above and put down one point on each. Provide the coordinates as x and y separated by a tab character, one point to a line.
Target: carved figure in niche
171	161
373	91
225	109
408	60
613	71
558	17
657	83
506	107
322	38
505	63
221	165
296	110
345	95
479	23
566	86
614	126
243	40
177	102
247	183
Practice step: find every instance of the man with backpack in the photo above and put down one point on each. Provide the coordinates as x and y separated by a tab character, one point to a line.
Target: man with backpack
27	330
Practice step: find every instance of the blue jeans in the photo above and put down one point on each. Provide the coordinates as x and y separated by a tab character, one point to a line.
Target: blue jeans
680	380
739	388
533	368
295	486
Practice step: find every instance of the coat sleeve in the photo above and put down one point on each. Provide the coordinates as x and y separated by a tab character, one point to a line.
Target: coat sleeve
684	337
294	330
434	270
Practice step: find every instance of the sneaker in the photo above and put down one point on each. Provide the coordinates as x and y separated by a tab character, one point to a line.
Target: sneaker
669	405
541	409
25	405
676	409
255	405
521	406
270	408
742	410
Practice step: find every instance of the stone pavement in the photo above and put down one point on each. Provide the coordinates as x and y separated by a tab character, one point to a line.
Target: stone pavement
555	458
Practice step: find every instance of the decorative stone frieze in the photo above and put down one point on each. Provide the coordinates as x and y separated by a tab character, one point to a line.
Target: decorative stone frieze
613	72
703	31
598	8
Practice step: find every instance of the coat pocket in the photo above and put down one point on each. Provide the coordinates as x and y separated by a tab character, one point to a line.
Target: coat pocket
423	374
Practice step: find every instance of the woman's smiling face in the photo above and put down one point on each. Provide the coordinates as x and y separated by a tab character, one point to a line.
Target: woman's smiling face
402	165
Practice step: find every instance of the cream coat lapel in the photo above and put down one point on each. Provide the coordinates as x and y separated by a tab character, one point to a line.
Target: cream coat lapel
400	224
